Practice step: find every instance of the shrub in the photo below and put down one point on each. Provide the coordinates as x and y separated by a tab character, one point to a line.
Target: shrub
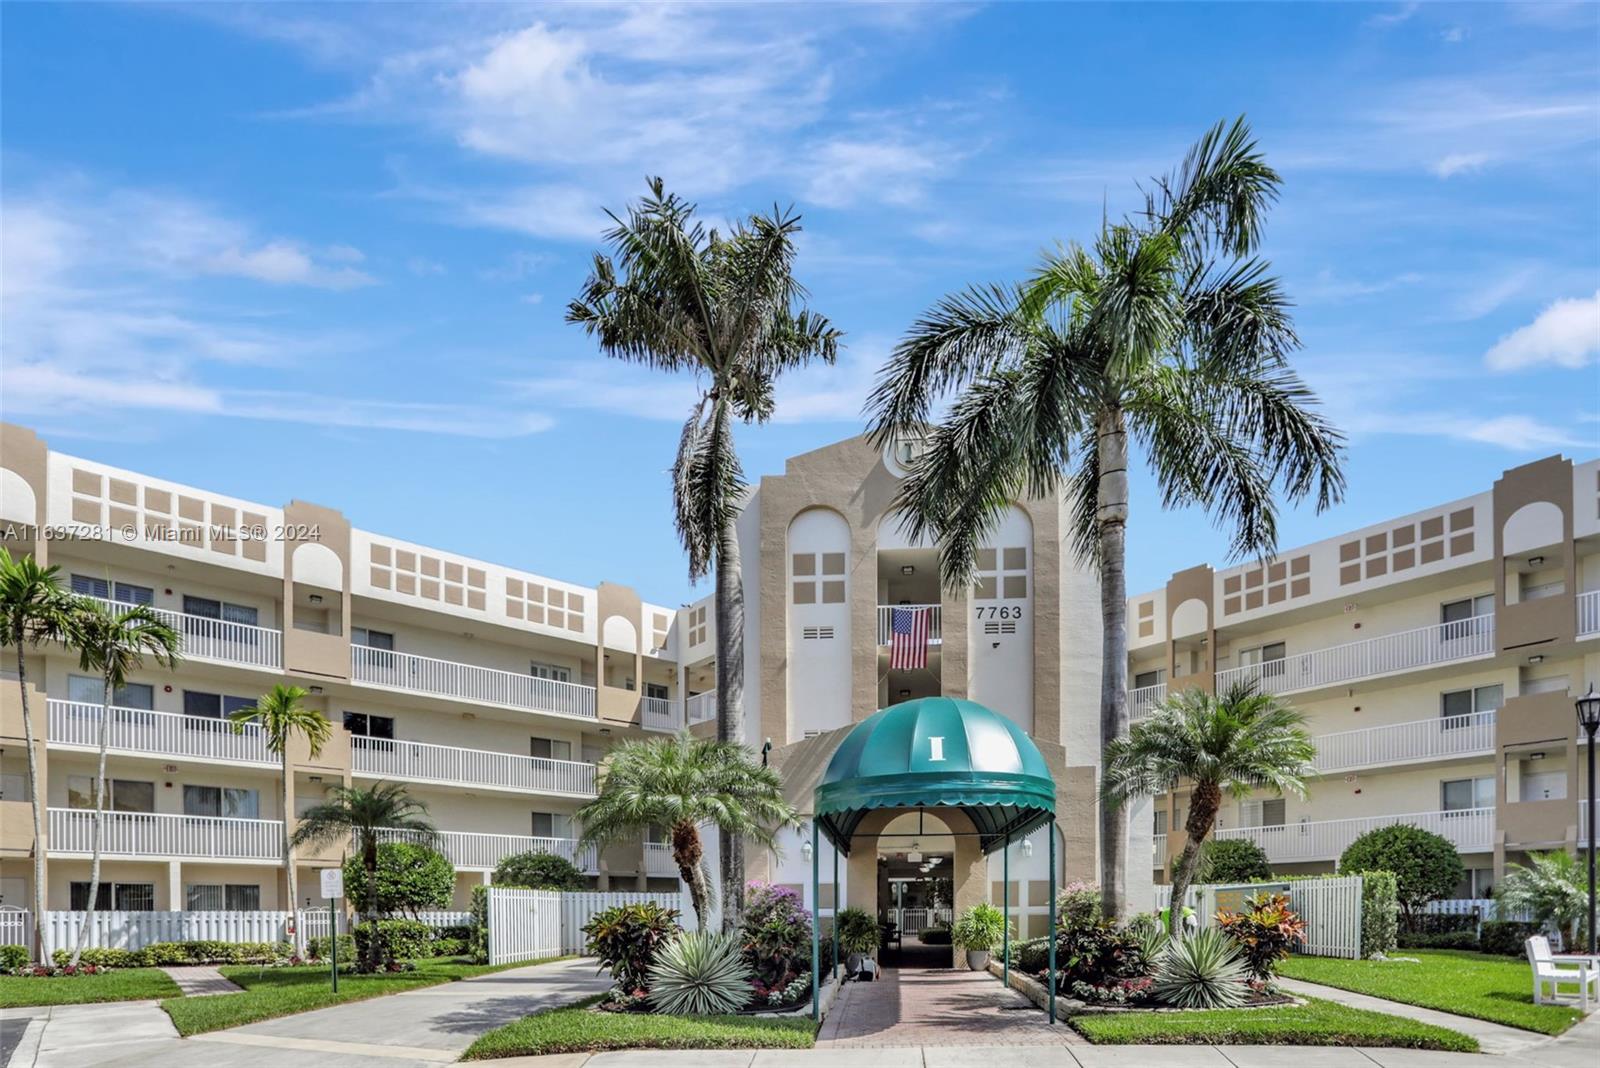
1078	905
170	953
448	947
1100	956
858	931
1265	933
982	927
104	958
1438	940
700	974
776	933
540	871
397	939
14	957
1230	860
1032	956
1505	937
318	947
1147	930
410	878
1428	923
1551	886
1379	912
478	941
1204	971
1425	865
627	940
935	936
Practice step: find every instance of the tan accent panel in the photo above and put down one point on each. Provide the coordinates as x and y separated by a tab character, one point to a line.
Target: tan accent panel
1147	628
1402	536
1404	559
1432	551
430	566
123	492
833	563
825	893
833	593
405	582
804	564
1147	609
1300	565
985	559
475	600
1277	572
452	595
85	511
191	508
86	482
1301	587
513	608
380	577
1276	594
1016	559
1433	526
1230	584
255	549
1231	605
1252	599
1252	579
405	560
805	593
1461	544
1038	892
121	518
430	589
1461	519
985	590
380	554
1378	565
1015	587
160	500
1348	551
514	587
477	578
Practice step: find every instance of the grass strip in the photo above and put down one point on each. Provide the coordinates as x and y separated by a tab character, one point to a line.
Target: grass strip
121	984
1498	989
1317	1023
577	1029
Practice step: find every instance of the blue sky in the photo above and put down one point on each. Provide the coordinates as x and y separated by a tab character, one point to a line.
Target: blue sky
323	252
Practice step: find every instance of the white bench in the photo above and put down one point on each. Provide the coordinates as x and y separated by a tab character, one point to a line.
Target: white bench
1555	970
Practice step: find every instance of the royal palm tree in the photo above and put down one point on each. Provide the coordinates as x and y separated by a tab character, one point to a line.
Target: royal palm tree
679	784
114	640
1242	741
367	816
726	308
281	717
1168	330
33	609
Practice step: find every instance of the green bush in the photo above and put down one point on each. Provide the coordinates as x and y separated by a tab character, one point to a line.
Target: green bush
14	957
1032	956
1077	906
478	940
982	927
1505	937
777	933
448	947
1100	957
158	954
1230	860
858	931
411	878
627	938
1380	908
540	871
1265	932
702	973
1204	971
105	958
397	939
318	947
463	931
1438	940
1426	866
934	936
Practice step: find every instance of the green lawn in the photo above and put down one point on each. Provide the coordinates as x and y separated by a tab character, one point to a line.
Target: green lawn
273	992
1317	1023
125	984
576	1029
1499	989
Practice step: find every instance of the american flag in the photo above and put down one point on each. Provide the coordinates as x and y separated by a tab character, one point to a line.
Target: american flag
908	642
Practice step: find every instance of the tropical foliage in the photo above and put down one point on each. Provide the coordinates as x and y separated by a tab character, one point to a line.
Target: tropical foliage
981	927
1552	886
1235	743
777	934
700	973
1204	971
1265	932
626	938
725	307
858	931
678	784
1426	866
1169	330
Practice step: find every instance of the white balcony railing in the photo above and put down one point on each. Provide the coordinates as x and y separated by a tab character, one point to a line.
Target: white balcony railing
1143	701
1382	655
701	708
136	730
1469	830
490	686
468	849
422	761
935	622
1160	843
658	860
659	714
218	640
1409	742
148	834
1589	612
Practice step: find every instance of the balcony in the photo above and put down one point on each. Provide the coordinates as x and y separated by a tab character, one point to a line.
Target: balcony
934	615
1160	842
481	852
658	860
1589	614
147	834
1470	830
75	725
446	678
1416	741
218	640
1441	643
701	708
1143	701
422	762
659	714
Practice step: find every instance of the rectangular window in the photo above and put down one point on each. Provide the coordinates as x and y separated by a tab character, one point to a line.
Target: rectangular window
1159	822
1267	657
553	672
209	608
199	897
123	897
655	689
211	897
372	639
1458	795
1273	812
1456	705
213	705
89	690
549	825
122	592
549	749
1466	608
1147	678
123	795
366	725
89	586
226	801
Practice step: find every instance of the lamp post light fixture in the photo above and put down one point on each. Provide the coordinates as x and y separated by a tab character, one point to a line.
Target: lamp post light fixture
1588	707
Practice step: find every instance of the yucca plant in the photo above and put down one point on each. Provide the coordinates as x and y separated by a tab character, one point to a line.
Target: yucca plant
701	973
1204	971
1147	930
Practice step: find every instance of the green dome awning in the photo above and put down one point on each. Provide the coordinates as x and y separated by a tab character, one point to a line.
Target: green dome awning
937	752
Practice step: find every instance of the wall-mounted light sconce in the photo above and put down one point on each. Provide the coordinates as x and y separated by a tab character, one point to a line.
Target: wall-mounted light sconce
315	598
1027	847
1536	658
1535	561
806	851
902	693
316	689
908	569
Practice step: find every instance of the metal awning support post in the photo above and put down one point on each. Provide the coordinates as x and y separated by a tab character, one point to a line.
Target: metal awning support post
1052	921
833	947
1005	900
816	955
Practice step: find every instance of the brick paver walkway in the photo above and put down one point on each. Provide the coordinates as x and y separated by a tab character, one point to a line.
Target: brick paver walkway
937	1007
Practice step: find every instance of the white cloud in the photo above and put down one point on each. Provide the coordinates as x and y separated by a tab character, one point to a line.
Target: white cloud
847	171
1461	163
1566	334
1453	35
423	267
1403	13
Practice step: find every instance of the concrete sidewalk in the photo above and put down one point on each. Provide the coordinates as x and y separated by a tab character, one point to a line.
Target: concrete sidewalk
1492	1037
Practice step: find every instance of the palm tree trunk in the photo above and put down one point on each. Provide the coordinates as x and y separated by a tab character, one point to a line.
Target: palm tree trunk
687	853
730	671
99	825
1204	800
288	851
37	803
1111	518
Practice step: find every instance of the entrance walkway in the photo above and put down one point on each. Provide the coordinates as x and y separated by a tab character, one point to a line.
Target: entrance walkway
1492	1037
199	980
937	1007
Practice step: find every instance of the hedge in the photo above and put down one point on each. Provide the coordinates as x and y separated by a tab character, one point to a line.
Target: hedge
1505	937
317	947
166	953
1438	940
397	939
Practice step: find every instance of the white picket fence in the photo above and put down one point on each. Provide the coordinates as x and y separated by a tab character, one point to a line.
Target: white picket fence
15	926
523	925
314	923
578	909
135	930
1331	909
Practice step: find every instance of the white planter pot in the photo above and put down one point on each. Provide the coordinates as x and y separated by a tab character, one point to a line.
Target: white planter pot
977	959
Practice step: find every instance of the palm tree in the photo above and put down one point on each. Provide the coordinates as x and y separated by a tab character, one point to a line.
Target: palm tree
115	642
366	816
726	308
1169	330
1551	887
282	716
33	609
681	784
1241	741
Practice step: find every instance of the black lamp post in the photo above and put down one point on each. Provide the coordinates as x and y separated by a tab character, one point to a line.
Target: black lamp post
1588	707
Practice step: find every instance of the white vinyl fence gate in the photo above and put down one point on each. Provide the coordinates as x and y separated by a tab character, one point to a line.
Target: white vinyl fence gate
1331	909
523	925
578	909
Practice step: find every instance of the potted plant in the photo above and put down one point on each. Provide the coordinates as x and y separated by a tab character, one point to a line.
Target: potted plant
858	936
979	930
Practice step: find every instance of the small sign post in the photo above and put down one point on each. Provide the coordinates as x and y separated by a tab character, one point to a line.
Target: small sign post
333	890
